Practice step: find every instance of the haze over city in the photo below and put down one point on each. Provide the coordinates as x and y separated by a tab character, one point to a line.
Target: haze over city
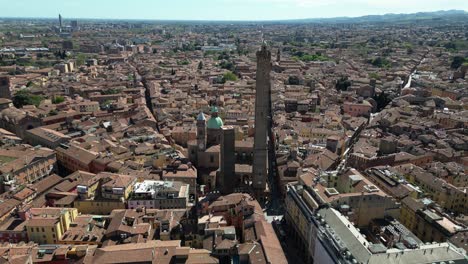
221	9
234	132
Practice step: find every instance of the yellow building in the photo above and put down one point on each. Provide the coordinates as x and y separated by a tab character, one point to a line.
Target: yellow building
103	193
300	207
318	135
22	166
116	186
162	159
99	207
86	189
47	225
445	194
426	223
409	207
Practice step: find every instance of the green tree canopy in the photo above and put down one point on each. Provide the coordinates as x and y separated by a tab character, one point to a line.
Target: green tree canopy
229	76
293	80
304	56
223	56
80	59
111	91
183	62
58	99
374	75
450	46
380	62
382	100
458	61
228	65
25	97
343	83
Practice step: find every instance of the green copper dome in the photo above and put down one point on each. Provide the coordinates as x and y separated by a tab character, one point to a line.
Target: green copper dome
214	109
215	123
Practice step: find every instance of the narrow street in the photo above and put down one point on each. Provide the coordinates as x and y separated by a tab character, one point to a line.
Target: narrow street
275	208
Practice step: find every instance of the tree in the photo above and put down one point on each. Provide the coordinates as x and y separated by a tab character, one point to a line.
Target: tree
293	80
200	65
374	75
382	100
25	97
229	76
241	50
458	61
303	56
409	50
342	84
111	91
183	62
228	65
106	104
58	99
450	46
380	62
223	56
80	59
237	41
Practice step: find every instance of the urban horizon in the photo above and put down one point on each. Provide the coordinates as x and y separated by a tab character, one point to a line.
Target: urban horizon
317	140
221	10
252	20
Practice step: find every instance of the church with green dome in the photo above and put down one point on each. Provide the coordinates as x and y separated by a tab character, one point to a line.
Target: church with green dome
215	122
200	151
213	127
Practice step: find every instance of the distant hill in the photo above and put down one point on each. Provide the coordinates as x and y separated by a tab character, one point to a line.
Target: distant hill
435	17
391	18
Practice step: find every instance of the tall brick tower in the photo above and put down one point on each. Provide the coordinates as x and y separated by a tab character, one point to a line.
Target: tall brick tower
262	99
201	131
227	175
60	22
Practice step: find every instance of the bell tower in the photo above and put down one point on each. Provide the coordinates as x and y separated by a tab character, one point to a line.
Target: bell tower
201	132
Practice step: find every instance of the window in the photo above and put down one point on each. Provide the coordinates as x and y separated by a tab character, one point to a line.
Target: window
43	230
211	158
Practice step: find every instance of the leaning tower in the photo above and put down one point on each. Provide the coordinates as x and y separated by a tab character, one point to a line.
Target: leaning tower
263	86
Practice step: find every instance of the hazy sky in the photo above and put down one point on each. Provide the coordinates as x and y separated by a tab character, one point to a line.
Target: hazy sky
218	9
